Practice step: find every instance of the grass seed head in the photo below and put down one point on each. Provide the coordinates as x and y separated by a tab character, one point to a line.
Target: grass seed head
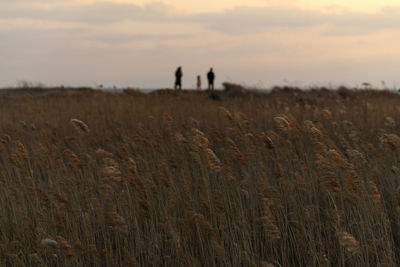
48	243
102	153
199	138
390	122
132	166
79	126
282	123
392	141
65	247
227	114
213	161
349	242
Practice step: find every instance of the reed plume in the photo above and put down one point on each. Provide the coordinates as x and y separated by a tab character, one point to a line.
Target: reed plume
79	126
48	242
64	247
282	123
268	221
213	161
349	242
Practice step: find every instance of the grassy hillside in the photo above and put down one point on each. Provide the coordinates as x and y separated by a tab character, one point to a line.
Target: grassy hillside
289	178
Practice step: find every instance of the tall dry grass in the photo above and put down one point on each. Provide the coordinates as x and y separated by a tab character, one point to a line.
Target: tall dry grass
286	179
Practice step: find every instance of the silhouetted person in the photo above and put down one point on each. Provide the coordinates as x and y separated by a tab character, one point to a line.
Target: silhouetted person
198	82
211	78
178	78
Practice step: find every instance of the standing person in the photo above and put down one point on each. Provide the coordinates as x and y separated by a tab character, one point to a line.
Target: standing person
178	78
211	78
198	82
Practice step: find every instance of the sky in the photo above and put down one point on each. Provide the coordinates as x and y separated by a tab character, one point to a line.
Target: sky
257	43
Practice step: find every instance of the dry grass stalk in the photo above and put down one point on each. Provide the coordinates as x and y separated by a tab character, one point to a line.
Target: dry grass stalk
16	261
36	259
266	264
269	222
301	182
129	259
338	217
218	249
149	203
203	224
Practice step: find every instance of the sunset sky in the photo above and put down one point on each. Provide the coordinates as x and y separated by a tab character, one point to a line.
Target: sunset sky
132	43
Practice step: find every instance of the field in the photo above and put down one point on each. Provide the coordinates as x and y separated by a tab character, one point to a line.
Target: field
289	178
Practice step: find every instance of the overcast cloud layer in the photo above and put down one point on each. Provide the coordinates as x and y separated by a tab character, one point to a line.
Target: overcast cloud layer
236	20
135	45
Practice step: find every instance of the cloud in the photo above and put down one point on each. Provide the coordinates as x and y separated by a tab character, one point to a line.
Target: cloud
249	19
244	20
120	38
238	20
95	13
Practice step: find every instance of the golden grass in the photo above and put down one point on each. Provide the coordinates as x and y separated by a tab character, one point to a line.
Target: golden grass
286	179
